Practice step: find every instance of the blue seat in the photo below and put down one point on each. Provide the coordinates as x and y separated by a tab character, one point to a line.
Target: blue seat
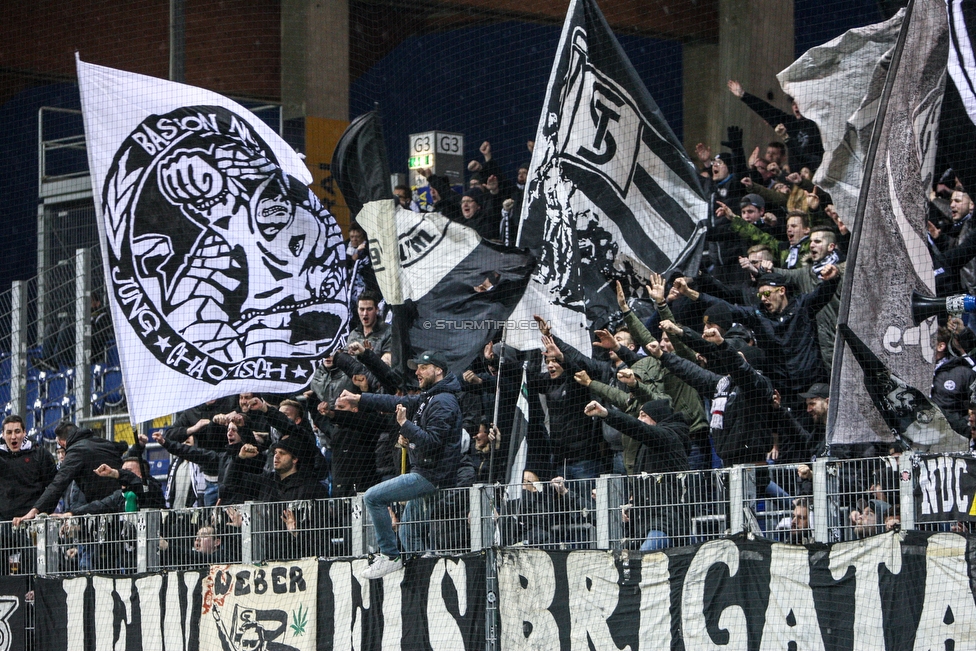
113	394
112	354
52	414
57	386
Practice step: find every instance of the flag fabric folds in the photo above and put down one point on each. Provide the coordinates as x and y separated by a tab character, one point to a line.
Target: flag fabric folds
456	289
838	86
223	271
518	445
889	257
359	163
962	62
611	193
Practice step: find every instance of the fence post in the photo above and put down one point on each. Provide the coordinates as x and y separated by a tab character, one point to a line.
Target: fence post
39	529
18	347
742	493
603	512
482	496
826	518
906	489
475	518
142	557
357	521
252	526
82	333
609	492
153	522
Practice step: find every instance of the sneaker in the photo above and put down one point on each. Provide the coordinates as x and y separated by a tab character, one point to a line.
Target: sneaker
382	566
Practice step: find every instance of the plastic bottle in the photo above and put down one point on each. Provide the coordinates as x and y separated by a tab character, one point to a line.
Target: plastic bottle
131	502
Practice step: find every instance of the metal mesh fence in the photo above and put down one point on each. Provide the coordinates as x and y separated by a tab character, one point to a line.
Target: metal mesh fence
827	501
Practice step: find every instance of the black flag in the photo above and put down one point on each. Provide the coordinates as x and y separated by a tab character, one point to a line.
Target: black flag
359	164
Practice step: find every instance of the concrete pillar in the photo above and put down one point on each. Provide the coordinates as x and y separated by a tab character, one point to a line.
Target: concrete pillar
314	61
755	42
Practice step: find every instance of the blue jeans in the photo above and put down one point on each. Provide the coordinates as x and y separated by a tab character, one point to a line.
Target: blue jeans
378	498
415	524
655	541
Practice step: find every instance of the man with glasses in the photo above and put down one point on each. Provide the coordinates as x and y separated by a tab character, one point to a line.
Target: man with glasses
473	215
786	329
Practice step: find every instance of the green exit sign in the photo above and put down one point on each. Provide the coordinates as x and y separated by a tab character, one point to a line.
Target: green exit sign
419	162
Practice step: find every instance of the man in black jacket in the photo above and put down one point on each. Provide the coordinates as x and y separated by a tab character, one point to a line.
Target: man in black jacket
25	470
84	453
802	136
430	429
574	439
665	445
786	330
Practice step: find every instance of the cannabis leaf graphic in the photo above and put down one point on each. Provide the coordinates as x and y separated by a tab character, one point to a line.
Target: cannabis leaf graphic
299	621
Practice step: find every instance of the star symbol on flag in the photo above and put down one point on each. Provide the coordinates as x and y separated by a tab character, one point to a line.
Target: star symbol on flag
300	372
162	343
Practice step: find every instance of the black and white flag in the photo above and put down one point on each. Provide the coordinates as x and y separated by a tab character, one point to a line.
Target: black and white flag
838	85
459	288
518	449
962	62
611	193
889	257
224	273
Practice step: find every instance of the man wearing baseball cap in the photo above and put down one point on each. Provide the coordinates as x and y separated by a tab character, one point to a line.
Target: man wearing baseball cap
430	430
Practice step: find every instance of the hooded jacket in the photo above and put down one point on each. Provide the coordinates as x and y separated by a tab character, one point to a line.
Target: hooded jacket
24	475
84	452
433	428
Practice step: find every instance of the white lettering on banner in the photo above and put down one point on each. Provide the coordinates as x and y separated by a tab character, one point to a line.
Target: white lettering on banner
593	594
190	581
939	481
74	601
114	608
104	603
655	587
527	623
445	634
732	619
791	614
392	611
865	558
948	614
344	625
151	616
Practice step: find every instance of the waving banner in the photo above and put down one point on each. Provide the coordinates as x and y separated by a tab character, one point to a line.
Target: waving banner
224	272
611	193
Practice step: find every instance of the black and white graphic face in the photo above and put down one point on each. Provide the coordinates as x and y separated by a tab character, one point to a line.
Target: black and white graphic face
216	252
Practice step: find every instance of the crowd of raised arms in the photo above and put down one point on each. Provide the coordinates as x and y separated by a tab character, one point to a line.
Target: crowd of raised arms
731	366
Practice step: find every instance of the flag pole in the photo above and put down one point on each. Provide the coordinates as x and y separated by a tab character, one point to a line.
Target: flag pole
494	416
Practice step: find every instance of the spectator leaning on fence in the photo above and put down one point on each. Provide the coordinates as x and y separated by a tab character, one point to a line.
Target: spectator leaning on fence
430	430
84	453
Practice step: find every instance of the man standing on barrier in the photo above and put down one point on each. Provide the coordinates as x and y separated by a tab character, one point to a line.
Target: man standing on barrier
430	431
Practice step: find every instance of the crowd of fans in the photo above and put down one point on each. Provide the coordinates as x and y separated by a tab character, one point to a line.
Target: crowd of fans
731	366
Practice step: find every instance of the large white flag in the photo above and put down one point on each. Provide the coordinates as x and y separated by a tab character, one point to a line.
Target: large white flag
223	271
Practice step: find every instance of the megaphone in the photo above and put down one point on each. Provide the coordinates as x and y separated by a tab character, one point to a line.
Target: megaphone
924	307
